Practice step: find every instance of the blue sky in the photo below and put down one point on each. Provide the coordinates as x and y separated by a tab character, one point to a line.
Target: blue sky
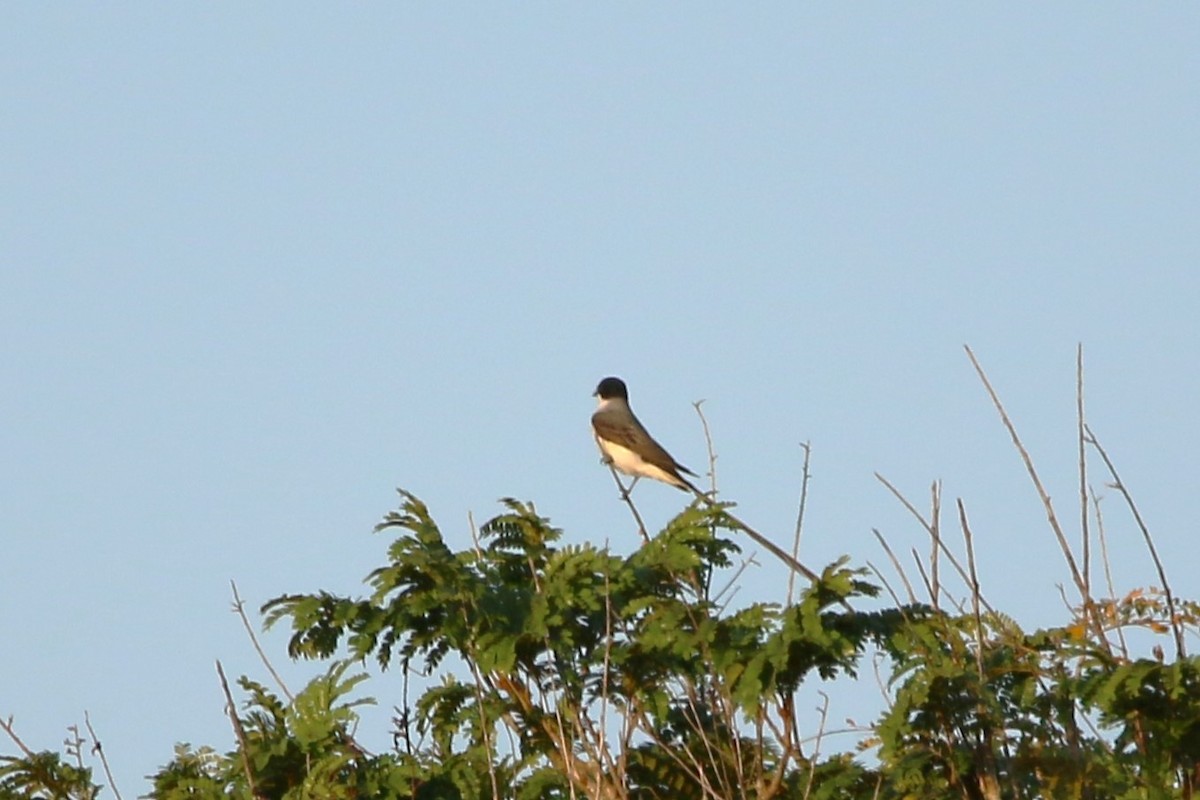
260	266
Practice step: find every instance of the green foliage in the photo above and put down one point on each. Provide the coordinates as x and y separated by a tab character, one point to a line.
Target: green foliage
568	671
45	776
601	671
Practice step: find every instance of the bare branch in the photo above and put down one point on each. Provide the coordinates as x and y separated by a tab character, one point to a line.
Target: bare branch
239	609
969	543
1112	591
1037	481
99	751
708	443
238	731
824	709
7	725
935	533
804	476
932	530
912	597
1083	495
1119	485
629	501
886	585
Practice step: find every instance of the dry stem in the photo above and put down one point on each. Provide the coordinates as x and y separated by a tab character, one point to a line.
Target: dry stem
98	750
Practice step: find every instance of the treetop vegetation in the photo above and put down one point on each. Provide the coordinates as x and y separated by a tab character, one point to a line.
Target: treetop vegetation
557	670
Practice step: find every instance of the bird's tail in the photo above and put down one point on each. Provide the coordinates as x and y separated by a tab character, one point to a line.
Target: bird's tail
775	549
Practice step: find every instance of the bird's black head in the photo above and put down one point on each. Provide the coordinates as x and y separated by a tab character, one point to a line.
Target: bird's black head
612	387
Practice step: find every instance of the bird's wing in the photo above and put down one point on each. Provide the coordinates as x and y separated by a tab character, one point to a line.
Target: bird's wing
625	430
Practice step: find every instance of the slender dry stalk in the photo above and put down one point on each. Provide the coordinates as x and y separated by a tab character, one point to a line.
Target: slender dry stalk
904	501
691	714
691	766
73	745
912	597
804	476
1083	495
924	577
617	770
629	502
774	549
880	684
933	533
732	586
824	709
238	731
471	526
708	444
1119	485
970	545
99	751
7	725
694	714
887	586
782	731
958	606
485	730
711	450
240	610
1108	578
1033	474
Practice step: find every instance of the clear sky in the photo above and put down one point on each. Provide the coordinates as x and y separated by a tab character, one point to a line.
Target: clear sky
259	265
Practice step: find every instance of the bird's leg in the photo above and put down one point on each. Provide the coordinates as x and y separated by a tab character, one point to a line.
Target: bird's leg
625	491
625	497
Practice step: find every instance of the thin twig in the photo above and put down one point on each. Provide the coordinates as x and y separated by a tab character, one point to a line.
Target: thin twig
895	597
969	543
239	609
912	597
824	734
708	499
708	443
485	731
877	659
712	480
935	532
1083	495
812	772
691	766
238	731
629	501
958	606
471	526
99	750
1119	485
732	584
1037	481
804	476
932	530
618	770
924	576
74	747
1108	578
12	734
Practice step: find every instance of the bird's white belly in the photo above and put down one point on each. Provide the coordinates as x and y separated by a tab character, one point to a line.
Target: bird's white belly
631	463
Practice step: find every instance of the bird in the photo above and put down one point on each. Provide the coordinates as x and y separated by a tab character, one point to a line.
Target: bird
626	445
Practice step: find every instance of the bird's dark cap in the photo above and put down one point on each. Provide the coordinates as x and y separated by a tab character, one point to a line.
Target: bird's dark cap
612	387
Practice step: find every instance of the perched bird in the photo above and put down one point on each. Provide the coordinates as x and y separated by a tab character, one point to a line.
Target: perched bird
627	446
